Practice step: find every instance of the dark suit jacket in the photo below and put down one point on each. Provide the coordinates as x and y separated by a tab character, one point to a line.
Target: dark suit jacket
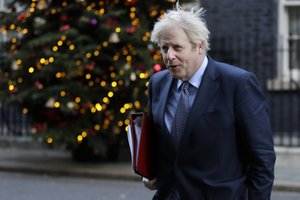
226	151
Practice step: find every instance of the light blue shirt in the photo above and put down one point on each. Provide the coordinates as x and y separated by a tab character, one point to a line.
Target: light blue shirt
172	101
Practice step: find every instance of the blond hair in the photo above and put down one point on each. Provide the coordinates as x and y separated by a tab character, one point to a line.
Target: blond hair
191	22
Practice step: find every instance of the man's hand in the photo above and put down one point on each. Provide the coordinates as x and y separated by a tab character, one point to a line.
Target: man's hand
150	184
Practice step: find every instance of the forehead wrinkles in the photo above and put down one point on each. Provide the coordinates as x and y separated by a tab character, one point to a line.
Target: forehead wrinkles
173	36
171	40
168	43
174	43
166	40
167	35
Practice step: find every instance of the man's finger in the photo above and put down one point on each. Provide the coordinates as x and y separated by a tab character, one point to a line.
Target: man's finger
150	184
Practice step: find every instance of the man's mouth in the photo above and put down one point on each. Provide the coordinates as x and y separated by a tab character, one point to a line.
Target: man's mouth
173	66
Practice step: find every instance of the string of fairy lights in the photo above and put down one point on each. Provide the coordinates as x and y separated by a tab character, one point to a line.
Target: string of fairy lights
64	43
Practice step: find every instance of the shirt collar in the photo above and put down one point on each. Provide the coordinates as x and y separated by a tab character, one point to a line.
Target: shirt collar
196	79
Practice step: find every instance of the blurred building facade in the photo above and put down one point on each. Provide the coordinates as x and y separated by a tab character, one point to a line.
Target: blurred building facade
263	37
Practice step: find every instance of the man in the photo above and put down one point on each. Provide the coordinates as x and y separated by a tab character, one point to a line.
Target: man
214	140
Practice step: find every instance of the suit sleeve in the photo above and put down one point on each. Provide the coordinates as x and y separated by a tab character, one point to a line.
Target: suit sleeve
255	132
149	103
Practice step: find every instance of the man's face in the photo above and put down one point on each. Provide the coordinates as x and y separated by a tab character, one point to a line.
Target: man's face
181	58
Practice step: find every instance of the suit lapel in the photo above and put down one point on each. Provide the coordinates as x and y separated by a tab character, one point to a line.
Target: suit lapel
164	93
207	90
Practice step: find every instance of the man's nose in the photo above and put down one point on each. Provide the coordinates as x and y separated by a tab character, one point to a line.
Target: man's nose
170	54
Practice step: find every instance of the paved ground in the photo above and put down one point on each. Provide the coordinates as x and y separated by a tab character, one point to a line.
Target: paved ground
58	162
287	169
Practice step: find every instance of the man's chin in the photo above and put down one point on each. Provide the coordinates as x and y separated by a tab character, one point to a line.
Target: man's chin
175	74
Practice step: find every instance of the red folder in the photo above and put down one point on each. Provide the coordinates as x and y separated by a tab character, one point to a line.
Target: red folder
141	143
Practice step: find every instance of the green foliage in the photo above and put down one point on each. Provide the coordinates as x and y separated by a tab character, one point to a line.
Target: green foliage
80	67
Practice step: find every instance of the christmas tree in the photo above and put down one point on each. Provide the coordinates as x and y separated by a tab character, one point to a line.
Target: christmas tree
79	68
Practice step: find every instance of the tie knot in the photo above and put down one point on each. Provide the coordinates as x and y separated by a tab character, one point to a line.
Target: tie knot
185	86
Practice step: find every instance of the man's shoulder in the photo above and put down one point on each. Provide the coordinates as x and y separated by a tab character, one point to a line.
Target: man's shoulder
230	71
226	67
234	75
161	75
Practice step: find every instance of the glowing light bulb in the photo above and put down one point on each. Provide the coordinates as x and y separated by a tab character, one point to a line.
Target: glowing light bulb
84	134
118	30
98	106
31	70
49	140
56	104
79	138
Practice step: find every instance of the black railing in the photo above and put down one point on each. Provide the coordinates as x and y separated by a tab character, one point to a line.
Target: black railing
280	81
14	125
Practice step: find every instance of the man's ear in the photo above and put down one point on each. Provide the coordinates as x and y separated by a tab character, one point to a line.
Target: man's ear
201	47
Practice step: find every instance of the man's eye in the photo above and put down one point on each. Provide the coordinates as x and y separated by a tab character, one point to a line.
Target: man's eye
164	49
